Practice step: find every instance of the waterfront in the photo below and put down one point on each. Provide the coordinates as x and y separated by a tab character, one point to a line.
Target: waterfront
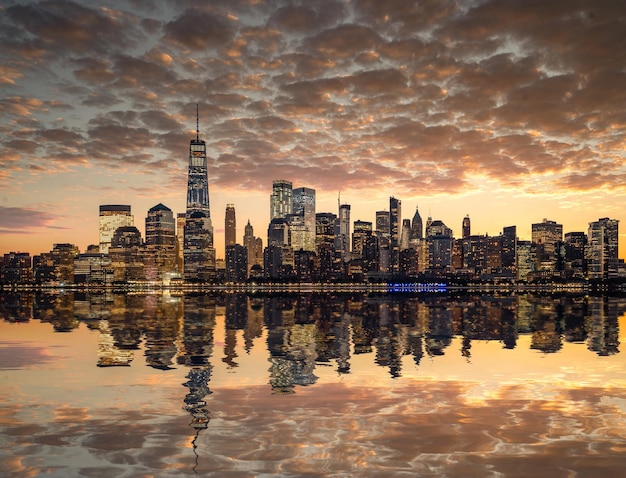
312	385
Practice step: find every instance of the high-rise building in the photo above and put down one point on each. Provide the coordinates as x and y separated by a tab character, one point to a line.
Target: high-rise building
304	207
254	247
382	224
236	263
546	234
126	254
111	217
405	235
199	253
416	226
602	248
180	240
509	246
395	230
342	232
466	227
230	226
575	243
160	259
362	230
281	200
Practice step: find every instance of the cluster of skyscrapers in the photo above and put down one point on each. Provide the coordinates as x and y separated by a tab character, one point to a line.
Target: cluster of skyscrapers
307	246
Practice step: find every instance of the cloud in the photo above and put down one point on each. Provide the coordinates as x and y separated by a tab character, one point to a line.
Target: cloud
64	26
198	29
20	220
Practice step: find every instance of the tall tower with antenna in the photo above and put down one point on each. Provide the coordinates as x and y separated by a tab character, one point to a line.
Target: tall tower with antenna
198	253
197	178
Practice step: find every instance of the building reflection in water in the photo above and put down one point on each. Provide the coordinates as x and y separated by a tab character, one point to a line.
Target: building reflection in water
196	349
304	332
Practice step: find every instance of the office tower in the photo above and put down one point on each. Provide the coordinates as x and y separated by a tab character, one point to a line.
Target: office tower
395	225
466	227
546	234
382	224
230	225
199	253
249	242
278	232
575	243
405	235
281	200
509	242
342	232
126	254
236	263
602	247
63	256
438	228
526	252
362	230
180	240
416	226
112	216
304	206
160	259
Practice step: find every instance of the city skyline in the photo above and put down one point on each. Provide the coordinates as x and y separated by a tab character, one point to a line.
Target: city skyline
505	112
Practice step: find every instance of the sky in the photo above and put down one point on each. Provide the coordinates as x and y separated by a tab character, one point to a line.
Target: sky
507	111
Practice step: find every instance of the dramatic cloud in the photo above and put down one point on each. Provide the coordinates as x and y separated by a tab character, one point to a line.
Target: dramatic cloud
20	220
408	98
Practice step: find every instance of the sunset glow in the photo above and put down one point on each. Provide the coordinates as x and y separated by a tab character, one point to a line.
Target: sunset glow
510	112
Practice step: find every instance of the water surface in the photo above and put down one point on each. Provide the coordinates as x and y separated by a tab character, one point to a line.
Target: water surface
312	385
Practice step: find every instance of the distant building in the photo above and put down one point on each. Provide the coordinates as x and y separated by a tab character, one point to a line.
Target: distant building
236	263
342	233
602	247
230	226
16	268
199	252
281	200
383	229
111	217
304	207
126	253
160	250
395	231
63	256
416	227
545	235
466	227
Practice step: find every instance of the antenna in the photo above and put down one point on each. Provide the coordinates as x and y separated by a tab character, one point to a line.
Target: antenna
197	123
339	199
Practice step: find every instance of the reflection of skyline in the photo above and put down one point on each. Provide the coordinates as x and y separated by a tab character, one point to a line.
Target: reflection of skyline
307	331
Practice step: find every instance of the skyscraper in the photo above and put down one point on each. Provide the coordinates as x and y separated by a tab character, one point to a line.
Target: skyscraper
466	227
382	224
416	226
160	247
304	207
342	235
199	253
546	234
112	216
230	225
281	202
255	256
395	230
602	248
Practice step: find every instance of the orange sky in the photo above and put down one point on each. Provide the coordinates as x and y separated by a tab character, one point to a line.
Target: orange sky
505	111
